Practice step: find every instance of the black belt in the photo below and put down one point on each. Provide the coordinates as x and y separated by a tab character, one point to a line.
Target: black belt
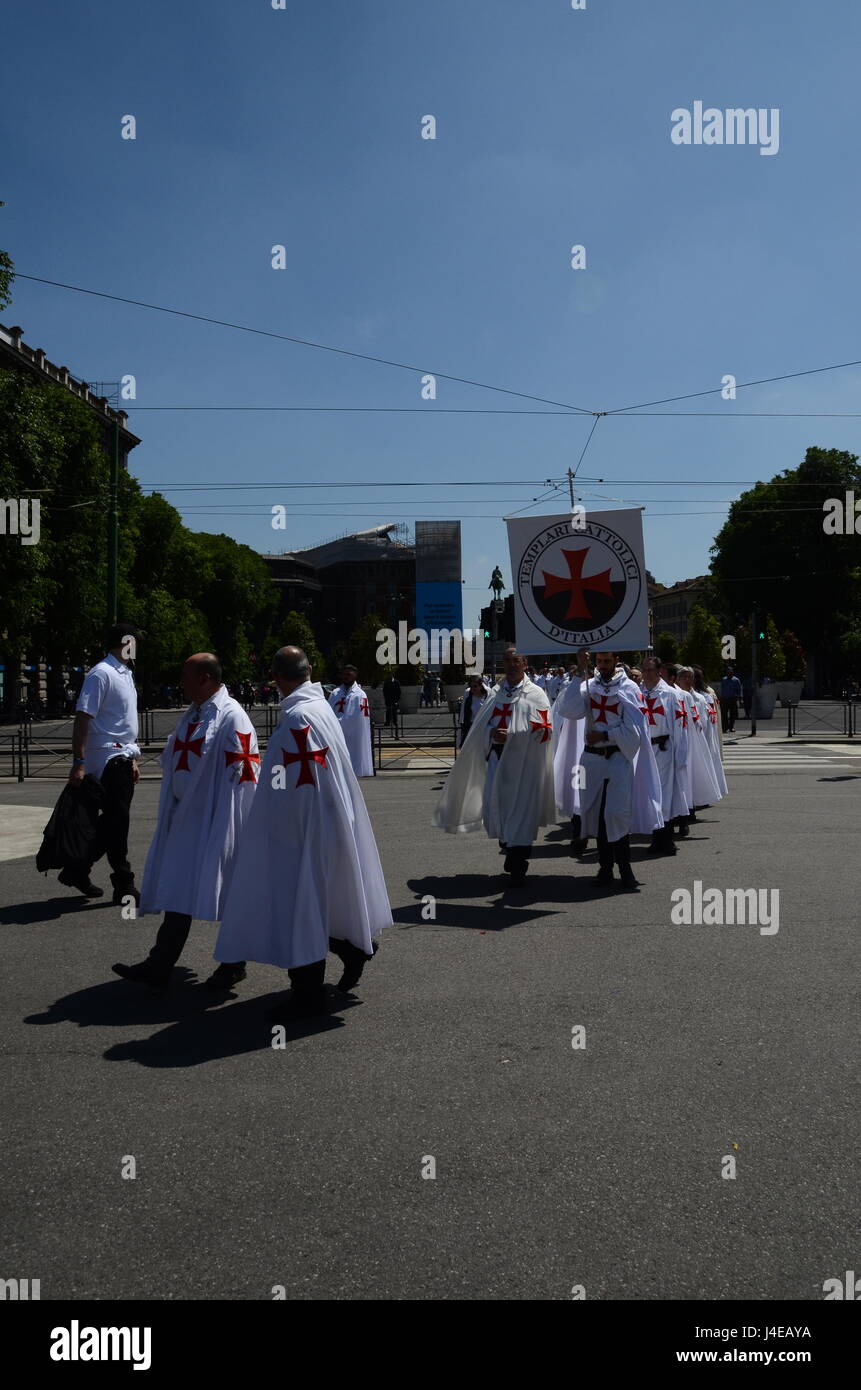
603	752
662	740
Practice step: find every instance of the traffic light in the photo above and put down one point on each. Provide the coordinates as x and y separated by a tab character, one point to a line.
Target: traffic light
486	633
761	637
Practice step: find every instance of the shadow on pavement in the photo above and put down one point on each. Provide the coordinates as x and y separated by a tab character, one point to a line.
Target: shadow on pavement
202	1026
494	916
229	1032
48	909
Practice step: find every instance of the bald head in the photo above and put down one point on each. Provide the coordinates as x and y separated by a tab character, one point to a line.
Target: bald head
201	677
291	668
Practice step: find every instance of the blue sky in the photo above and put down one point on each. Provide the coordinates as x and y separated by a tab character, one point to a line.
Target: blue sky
301	127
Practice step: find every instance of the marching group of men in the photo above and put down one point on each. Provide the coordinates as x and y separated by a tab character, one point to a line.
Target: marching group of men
618	757
280	851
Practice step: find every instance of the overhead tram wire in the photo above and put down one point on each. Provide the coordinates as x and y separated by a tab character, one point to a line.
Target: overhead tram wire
301	342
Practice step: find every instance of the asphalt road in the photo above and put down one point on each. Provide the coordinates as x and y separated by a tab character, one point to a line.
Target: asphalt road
555	1167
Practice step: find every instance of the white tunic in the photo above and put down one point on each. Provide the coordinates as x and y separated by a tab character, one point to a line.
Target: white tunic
308	868
509	794
350	704
210	765
660	708
711	725
607	711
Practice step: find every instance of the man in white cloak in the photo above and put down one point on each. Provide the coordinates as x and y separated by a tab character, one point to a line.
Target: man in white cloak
350	704
210	765
612	740
702	787
711	722
503	778
308	877
669	741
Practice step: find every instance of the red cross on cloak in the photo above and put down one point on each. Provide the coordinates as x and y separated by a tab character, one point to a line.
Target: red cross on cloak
339	704
603	707
543	723
364	707
695	715
712	713
504	713
193	745
305	756
651	708
683	715
246	758
575	584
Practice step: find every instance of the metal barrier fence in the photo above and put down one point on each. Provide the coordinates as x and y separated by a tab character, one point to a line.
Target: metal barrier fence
430	743
822	720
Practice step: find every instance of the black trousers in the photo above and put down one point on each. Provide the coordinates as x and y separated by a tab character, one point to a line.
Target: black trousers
112	831
171	938
728	714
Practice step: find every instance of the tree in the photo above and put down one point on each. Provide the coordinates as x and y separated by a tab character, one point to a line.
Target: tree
666	646
7	275
771	661
294	630
773	553
793	655
231	586
702	646
362	650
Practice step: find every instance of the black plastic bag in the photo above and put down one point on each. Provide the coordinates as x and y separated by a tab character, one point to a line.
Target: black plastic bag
71	830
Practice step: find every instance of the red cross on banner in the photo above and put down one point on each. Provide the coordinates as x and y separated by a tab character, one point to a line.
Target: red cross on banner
193	745
603	707
305	756
575	584
543	723
504	715
652	708
683	715
246	758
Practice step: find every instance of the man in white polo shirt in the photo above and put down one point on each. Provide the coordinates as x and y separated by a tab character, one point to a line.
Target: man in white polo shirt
104	745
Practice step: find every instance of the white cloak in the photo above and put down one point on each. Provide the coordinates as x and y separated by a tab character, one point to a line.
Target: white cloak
308	868
606	709
660	706
711	725
350	704
192	856
510	795
568	742
703	789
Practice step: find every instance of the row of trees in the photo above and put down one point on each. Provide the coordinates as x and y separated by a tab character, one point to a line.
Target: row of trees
780	654
188	591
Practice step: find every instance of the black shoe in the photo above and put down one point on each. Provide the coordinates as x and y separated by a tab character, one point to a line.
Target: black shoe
578	847
519	870
226	976
604	876
80	881
145	973
684	831
354	960
627	882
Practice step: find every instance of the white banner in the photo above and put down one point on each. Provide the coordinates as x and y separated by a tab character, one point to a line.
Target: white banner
579	582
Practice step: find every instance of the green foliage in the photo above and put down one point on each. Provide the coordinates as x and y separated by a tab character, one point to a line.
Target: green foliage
702	646
771	660
7	275
772	552
294	630
188	591
362	651
794	658
666	646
